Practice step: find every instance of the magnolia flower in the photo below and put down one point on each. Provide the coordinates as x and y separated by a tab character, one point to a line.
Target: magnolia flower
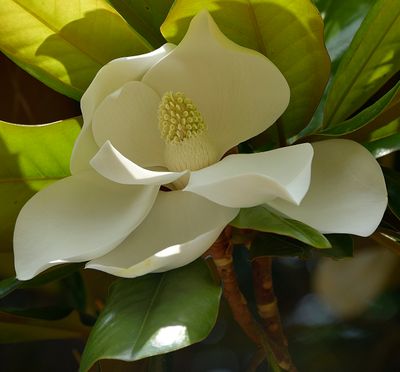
151	189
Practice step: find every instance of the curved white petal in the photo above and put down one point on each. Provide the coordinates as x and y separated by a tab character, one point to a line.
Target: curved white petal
115	74
76	219
247	180
128	118
238	91
112	165
347	192
109	78
180	227
84	149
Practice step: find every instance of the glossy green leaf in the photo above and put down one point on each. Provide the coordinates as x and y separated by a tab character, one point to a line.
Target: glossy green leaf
145	16
262	218
15	328
371	60
341	19
154	314
384	146
290	33
392	179
31	158
364	117
64	43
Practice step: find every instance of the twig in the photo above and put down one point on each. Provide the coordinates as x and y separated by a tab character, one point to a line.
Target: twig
269	313
221	253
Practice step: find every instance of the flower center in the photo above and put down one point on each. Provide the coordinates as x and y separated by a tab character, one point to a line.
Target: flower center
185	134
179	118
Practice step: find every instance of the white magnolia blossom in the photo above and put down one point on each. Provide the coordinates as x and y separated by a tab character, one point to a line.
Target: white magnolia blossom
167	118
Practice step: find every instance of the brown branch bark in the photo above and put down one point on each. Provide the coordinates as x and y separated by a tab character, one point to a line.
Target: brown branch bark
221	253
269	313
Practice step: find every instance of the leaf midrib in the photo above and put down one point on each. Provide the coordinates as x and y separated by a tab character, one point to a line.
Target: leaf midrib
147	313
256	27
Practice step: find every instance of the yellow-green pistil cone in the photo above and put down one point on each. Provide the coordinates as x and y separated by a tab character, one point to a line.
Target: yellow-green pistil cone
185	134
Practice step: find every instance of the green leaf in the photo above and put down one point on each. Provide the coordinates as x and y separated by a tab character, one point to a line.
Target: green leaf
342	246
280	246
145	16
65	43
289	33
384	146
364	117
263	218
371	60
15	328
341	20
392	179
8	285
31	158
46	313
56	273
154	314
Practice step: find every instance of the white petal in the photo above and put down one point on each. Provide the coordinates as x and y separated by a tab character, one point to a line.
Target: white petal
128	118
110	77
239	92
112	165
347	192
247	180
115	74
84	149
77	219
180	227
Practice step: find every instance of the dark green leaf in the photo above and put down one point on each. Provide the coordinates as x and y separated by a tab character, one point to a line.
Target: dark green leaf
371	60
15	328
145	16
154	314
384	146
364	117
392	179
46	313
279	246
10	284
262	218
341	20
342	246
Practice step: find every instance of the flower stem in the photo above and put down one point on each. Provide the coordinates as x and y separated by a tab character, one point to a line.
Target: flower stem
221	253
269	313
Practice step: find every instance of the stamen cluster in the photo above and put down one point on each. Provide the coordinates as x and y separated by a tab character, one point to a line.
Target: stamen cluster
179	118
